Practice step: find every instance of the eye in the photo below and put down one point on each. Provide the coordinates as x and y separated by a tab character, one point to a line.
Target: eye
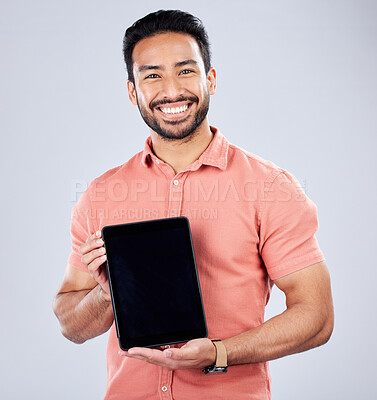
152	76
186	71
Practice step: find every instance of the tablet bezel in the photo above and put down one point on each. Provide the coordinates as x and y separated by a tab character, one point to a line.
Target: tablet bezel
125	342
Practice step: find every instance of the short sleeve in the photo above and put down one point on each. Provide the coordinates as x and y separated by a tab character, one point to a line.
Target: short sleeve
80	229
288	222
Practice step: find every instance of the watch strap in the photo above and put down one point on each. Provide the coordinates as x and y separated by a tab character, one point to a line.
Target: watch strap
221	363
221	356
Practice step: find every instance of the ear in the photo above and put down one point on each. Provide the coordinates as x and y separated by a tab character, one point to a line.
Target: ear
132	92
211	81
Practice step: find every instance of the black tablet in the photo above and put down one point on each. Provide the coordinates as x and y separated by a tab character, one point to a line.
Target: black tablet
154	283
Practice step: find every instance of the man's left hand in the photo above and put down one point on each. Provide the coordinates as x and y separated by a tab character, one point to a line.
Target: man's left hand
197	353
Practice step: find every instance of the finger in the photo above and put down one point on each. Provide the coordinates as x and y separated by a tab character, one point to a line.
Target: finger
180	354
163	363
91	243
135	353
95	267
96	235
155	360
102	278
150	355
144	352
87	258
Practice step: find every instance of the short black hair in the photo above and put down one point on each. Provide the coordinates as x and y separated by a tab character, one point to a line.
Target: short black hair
163	21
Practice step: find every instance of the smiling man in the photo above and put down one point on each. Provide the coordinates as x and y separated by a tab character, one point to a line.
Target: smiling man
252	227
180	118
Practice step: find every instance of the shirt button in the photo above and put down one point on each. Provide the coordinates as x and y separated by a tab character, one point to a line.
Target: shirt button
164	388
176	182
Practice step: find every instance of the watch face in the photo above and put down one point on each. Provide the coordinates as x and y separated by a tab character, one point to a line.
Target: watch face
213	369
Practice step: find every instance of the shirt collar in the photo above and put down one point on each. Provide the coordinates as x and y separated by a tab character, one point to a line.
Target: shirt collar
216	154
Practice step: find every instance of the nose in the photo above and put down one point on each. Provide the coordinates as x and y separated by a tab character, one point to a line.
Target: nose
171	88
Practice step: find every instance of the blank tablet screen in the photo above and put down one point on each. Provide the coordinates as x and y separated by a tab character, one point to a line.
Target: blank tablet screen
154	283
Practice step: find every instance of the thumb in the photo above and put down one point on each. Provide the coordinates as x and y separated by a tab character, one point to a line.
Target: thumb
175	354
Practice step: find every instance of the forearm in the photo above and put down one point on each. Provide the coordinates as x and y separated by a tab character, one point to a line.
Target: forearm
297	329
83	314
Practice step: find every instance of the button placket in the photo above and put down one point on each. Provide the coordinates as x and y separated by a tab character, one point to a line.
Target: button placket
176	196
166	378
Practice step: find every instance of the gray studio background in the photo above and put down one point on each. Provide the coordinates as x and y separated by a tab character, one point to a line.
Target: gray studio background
296	85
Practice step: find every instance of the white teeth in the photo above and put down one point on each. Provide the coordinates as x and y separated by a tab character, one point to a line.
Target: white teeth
174	110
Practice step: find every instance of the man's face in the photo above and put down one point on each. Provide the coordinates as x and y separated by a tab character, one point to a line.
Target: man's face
171	88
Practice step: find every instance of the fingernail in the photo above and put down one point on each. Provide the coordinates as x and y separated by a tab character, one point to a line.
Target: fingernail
168	354
99	241
98	233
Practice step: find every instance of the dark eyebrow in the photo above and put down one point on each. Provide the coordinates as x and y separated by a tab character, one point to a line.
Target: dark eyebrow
148	67
186	62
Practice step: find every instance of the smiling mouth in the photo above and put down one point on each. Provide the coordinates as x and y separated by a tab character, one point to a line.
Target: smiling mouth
174	111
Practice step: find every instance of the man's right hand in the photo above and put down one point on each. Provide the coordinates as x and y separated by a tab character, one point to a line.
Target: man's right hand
94	258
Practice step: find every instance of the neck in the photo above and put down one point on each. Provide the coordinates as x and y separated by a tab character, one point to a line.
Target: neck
180	153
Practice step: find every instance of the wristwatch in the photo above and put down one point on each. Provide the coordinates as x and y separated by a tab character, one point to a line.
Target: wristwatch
221	364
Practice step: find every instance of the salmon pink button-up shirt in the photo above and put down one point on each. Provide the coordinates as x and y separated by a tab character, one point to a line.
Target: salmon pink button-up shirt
251	223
